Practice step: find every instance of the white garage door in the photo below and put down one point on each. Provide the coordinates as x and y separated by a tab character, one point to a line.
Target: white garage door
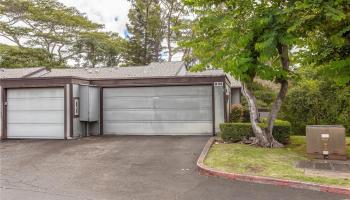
173	110
35	113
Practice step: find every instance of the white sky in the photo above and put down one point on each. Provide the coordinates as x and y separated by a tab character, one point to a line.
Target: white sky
104	12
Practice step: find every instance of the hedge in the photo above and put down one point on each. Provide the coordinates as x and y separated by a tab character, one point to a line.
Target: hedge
235	132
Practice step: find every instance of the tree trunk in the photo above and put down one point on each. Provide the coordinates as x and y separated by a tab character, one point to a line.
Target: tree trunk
169	32
283	52
145	49
254	117
273	114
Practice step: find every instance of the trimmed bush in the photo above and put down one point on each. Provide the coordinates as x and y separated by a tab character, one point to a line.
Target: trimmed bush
246	114
235	132
281	131
236	113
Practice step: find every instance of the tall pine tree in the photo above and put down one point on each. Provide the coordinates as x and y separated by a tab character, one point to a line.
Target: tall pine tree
174	13
144	32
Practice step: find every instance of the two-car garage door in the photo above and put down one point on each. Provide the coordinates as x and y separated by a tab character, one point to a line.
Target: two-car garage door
168	110
35	113
171	110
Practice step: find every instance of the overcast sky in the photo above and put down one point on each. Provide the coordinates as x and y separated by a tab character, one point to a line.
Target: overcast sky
104	12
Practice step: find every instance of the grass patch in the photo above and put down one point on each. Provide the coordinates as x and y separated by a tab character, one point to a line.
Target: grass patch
278	163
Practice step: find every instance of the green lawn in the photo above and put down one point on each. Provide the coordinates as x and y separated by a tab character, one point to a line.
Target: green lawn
278	163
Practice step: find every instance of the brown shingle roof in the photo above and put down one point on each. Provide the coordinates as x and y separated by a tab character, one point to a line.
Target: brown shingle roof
163	69
17	72
152	70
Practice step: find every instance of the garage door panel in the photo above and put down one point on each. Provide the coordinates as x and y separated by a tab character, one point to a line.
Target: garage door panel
41	131
174	110
161	128
158	91
130	92
156	115
42	117
36	104
157	102
184	91
35	93
35	113
117	103
184	102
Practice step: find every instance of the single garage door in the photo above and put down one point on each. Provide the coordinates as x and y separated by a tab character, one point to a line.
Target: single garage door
173	110
35	113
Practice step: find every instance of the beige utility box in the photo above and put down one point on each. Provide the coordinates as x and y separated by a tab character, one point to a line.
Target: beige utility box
326	142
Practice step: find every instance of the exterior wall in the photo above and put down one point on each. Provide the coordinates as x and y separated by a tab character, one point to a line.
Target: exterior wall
228	101
1	112
235	95
68	116
78	126
219	106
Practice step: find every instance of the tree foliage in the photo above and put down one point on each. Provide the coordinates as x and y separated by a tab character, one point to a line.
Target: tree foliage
100	49
62	32
324	30
248	39
314	100
174	15
145	32
47	24
16	57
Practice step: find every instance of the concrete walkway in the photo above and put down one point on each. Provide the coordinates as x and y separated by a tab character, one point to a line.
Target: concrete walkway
327	168
128	167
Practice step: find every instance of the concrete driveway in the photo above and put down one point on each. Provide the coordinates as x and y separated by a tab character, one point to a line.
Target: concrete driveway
128	167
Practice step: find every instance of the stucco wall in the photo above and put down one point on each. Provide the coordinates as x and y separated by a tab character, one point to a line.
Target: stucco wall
219	107
78	126
1	111
235	96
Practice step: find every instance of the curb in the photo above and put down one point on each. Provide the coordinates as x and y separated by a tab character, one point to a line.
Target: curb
205	170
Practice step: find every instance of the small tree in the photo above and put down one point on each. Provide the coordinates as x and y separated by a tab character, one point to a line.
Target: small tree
248	39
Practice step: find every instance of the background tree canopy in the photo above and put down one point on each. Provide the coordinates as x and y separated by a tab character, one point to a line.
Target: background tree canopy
324	27
16	57
71	39
55	29
316	100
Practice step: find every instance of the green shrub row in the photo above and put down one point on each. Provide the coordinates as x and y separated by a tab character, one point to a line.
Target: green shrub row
235	132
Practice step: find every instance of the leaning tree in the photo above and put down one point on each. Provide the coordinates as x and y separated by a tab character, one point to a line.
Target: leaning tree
248	39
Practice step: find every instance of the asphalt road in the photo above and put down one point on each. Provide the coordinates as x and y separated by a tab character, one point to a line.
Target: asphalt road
127	167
